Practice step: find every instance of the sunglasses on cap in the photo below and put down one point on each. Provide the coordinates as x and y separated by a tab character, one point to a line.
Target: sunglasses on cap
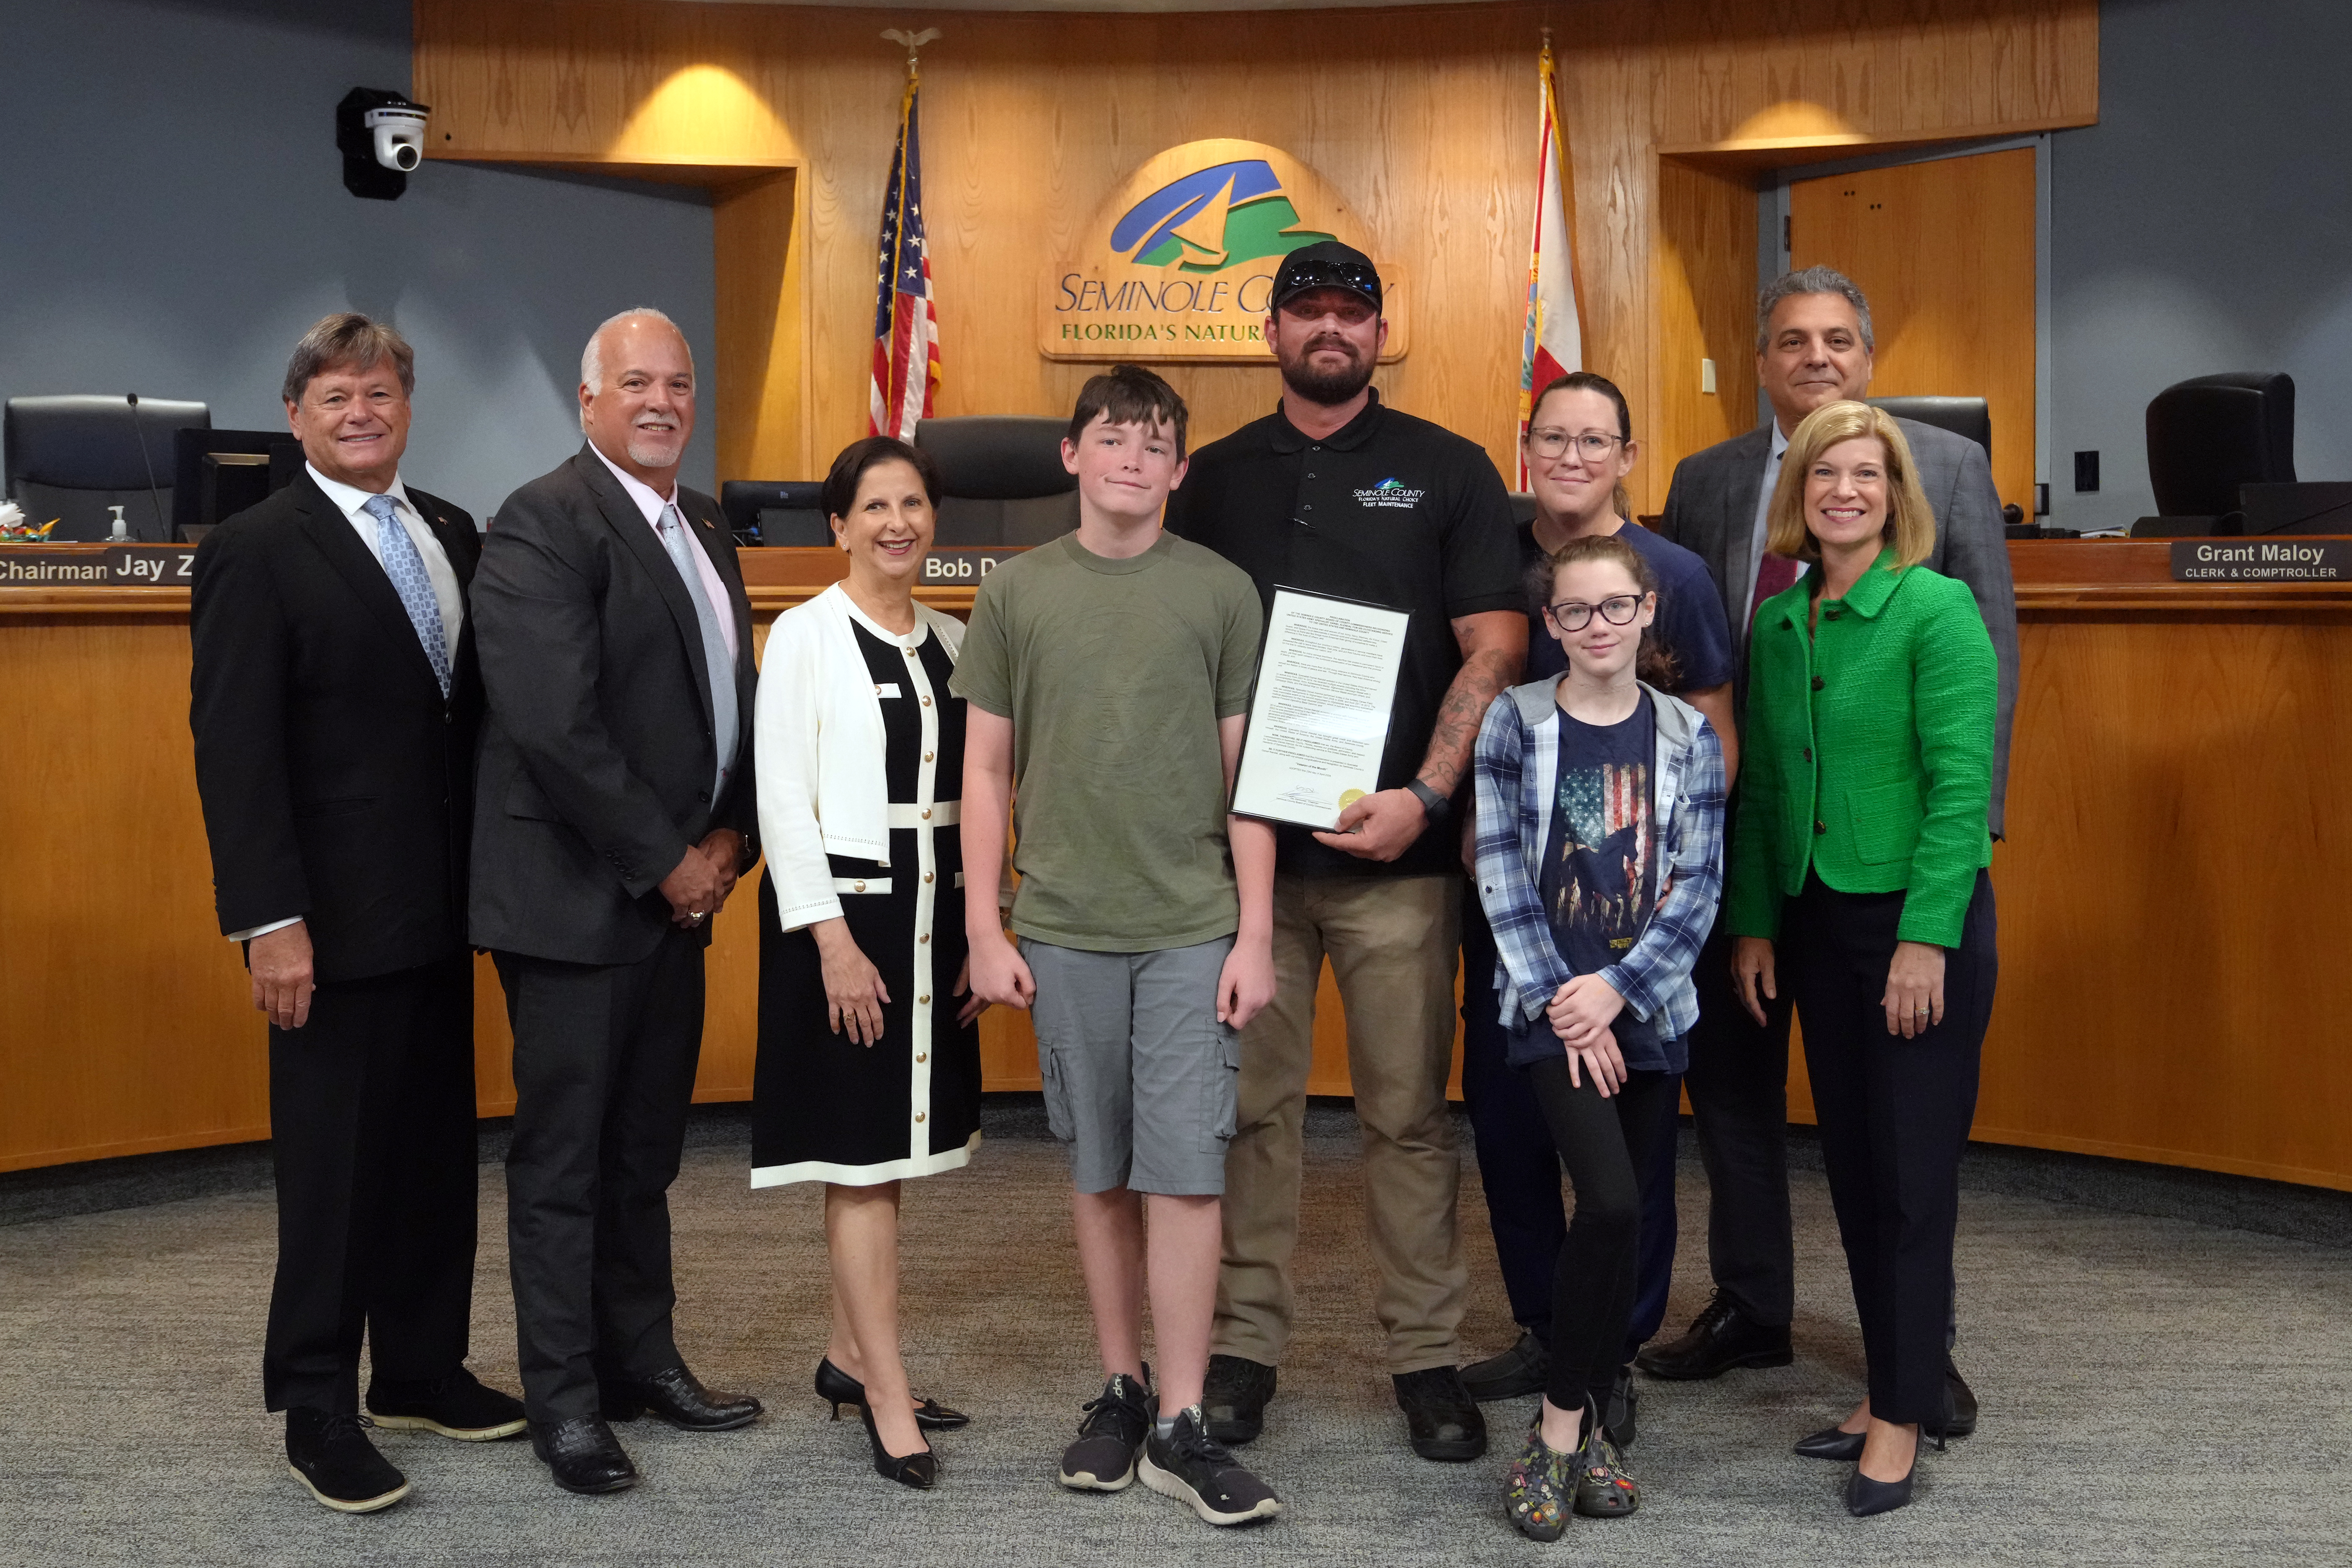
1298	277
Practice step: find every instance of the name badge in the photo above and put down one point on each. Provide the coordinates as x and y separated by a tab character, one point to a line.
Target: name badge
886	688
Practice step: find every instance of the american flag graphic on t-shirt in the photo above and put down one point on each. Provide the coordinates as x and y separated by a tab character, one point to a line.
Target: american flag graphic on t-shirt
1602	886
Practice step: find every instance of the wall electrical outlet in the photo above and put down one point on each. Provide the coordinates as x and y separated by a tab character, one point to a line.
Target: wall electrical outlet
1706	376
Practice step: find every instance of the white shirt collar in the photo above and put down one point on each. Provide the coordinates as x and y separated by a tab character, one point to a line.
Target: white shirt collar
1779	442
649	500
354	501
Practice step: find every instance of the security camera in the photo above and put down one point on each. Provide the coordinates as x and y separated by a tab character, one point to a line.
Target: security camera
382	136
399	136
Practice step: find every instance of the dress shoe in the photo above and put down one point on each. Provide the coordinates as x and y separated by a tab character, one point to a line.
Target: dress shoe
1625	1408
1865	1497
1233	1397
676	1397
1831	1443
838	1388
1722	1337
457	1405
1513	1375
583	1455
919	1469
329	1454
1960	1409
1442	1418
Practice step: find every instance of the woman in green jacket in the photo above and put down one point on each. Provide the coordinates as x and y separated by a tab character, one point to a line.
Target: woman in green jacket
1858	875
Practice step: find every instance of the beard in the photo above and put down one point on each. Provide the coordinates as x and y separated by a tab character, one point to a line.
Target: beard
655	450
1328	387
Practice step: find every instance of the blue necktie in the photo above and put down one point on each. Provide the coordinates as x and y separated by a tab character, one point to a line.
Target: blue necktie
722	663
405	567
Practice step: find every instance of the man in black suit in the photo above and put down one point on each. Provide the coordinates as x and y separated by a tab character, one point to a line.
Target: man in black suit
1813	344
334	704
617	809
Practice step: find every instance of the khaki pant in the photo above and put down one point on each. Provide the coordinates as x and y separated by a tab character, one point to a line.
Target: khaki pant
1393	942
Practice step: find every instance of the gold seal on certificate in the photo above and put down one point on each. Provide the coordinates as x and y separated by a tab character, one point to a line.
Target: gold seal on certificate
1319	718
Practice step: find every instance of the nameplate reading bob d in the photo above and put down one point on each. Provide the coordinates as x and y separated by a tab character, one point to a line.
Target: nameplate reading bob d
965	564
1179	264
2261	560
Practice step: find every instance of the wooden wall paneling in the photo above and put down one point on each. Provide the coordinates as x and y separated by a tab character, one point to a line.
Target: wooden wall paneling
1945	250
130	1024
761	402
1705	309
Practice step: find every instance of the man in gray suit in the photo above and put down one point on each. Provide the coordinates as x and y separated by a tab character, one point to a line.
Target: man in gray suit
1813	346
615	808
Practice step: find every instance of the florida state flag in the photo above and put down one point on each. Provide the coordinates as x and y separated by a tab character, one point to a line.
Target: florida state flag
906	325
1554	344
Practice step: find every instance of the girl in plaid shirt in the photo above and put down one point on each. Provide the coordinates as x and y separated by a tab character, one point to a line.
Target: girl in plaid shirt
1599	836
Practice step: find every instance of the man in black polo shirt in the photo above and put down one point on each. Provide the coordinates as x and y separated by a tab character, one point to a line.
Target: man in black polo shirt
1336	493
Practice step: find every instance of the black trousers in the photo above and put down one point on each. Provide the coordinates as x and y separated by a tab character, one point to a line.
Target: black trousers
604	1065
372	1137
1738	1083
1607	1146
1518	1168
1894	1117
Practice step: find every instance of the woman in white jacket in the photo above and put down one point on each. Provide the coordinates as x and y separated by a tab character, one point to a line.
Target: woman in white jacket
870	1065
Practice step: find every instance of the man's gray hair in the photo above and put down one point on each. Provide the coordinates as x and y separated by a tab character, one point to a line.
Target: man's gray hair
1810	280
591	358
348	338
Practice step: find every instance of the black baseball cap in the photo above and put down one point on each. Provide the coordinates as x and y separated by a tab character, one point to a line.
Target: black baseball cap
1326	264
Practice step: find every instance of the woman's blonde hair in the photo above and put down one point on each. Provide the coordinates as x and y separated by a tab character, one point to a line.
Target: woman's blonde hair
1910	522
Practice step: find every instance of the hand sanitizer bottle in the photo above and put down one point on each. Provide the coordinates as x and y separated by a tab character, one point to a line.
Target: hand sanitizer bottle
122	534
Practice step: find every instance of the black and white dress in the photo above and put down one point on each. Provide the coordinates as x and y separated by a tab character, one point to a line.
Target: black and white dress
825	1108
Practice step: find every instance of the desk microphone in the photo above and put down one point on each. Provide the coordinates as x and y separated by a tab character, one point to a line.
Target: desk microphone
156	496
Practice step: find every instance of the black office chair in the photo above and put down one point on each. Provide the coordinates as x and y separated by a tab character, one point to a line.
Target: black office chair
1968	416
2208	435
73	457
1002	479
775	511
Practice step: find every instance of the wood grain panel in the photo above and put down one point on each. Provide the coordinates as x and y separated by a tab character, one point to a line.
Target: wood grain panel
1945	250
762	320
1705	307
1422	119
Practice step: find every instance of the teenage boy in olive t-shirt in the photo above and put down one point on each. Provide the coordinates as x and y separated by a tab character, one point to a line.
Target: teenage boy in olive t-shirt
1106	676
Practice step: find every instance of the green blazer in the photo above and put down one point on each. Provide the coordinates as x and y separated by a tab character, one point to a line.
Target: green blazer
1868	751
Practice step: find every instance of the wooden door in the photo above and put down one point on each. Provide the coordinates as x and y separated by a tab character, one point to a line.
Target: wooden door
1945	251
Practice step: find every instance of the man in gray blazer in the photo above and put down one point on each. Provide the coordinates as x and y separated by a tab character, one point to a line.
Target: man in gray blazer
615	808
1813	346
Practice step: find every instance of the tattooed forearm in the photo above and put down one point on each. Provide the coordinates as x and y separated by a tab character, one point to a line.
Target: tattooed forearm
1483	674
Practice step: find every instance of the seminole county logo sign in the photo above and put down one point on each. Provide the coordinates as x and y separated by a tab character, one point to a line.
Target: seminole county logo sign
1180	263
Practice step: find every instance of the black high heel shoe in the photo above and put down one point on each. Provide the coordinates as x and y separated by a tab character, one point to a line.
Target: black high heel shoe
919	1471
1865	1497
838	1388
1831	1443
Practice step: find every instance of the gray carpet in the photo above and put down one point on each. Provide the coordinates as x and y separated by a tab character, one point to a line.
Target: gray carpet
2156	1390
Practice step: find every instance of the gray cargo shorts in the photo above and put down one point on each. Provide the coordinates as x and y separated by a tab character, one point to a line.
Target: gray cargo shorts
1140	1076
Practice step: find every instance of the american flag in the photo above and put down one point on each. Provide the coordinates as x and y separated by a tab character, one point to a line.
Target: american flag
906	324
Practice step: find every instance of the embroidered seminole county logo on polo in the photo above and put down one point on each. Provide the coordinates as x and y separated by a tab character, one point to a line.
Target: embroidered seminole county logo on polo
1179	261
1392	493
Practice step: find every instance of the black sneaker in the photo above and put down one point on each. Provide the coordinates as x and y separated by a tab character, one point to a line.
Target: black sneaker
1109	1438
1440	1417
1233	1398
1194	1467
1516	1372
459	1406
331	1457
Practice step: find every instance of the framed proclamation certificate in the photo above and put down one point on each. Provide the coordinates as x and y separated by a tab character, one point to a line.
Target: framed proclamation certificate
1318	722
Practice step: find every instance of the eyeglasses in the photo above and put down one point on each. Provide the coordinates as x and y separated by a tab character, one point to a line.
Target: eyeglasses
1618	610
1591	444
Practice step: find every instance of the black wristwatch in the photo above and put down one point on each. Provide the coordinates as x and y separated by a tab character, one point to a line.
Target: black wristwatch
1433	805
